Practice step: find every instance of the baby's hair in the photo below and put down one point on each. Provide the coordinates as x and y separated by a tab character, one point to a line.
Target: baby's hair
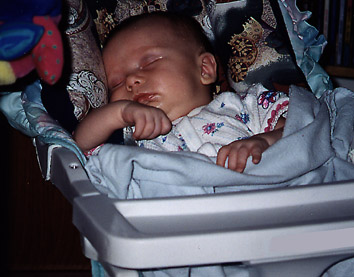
185	26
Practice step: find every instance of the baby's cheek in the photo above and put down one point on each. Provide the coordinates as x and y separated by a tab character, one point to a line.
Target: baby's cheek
116	96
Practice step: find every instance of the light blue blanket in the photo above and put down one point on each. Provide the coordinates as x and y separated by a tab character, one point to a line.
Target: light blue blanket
26	113
314	149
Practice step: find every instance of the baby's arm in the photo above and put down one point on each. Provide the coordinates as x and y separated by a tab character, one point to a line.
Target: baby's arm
239	151
99	124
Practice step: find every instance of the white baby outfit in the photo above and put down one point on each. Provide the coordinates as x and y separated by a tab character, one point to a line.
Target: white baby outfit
227	118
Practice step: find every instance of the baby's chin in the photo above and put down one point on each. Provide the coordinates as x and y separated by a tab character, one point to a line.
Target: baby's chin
175	116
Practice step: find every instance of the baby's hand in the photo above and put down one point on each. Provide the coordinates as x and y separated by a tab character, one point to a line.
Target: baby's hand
149	122
239	151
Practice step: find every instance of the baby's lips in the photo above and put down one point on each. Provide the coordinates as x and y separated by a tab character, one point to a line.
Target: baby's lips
144	98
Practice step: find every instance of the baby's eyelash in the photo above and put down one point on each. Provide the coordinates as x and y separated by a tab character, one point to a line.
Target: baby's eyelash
150	61
117	84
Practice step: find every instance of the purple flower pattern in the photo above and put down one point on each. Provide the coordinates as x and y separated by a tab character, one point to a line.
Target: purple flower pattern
243	117
211	128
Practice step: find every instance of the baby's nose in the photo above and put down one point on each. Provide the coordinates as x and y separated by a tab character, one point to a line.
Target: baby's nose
133	80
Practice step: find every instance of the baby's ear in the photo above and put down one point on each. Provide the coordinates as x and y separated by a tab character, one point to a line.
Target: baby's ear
208	68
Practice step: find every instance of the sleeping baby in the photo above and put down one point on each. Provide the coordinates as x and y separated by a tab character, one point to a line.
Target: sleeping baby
160	71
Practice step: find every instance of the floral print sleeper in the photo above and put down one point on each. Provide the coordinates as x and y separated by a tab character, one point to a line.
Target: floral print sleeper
227	118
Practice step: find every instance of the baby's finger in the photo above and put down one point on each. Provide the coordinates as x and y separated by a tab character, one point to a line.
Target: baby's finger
139	128
161	125
152	128
256	155
144	127
166	125
157	127
232	160
222	156
241	160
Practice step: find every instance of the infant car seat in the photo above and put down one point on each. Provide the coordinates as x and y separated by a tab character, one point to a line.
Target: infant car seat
300	230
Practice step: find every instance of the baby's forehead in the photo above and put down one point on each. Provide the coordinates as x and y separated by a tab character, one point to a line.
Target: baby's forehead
161	31
158	30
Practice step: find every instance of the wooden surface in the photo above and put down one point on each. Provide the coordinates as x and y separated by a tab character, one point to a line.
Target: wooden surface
39	235
340	71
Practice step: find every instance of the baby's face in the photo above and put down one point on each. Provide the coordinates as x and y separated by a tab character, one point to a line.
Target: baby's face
150	64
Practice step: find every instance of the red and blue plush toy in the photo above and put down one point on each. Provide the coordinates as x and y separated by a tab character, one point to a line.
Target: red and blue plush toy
30	39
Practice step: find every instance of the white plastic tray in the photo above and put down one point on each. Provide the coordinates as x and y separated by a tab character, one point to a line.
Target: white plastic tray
297	231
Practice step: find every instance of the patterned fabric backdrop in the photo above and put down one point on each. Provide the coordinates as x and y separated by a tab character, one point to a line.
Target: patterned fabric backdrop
249	37
87	85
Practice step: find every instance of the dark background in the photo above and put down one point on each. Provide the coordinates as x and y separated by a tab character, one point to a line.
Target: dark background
38	237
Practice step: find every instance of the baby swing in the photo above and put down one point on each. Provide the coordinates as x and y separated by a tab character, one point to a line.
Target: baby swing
291	229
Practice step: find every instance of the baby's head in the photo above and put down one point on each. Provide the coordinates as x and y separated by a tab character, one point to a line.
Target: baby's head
162	60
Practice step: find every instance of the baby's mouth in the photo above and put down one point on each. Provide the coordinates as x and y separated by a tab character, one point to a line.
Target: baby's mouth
144	98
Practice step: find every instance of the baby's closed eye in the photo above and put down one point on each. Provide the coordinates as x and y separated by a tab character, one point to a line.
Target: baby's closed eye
149	61
116	83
